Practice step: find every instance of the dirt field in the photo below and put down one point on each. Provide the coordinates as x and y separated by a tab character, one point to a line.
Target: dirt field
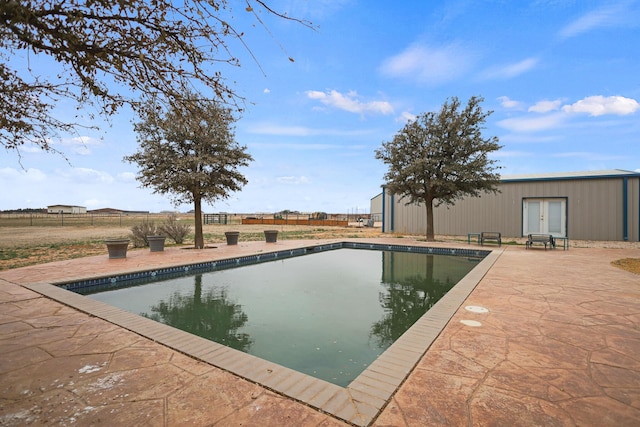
22	246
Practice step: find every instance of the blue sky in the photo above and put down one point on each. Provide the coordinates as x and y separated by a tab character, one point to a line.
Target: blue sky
562	79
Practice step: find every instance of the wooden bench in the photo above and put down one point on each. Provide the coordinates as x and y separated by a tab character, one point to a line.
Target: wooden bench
490	236
545	239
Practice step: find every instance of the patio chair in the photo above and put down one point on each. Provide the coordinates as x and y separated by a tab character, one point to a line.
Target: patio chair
490	236
545	239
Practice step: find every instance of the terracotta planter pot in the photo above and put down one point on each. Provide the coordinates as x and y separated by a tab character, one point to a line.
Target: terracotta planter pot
156	243
271	236
232	237
117	248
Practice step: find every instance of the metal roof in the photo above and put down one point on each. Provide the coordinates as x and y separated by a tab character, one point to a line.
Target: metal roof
552	176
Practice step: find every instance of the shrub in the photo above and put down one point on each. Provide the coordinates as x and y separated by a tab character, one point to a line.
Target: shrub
140	232
173	229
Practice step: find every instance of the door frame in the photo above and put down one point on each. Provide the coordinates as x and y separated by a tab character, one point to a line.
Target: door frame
546	199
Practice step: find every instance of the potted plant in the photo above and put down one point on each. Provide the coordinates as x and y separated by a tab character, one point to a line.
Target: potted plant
117	248
271	236
232	237
156	243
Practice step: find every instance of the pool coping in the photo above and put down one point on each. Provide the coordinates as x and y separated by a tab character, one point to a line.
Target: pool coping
359	403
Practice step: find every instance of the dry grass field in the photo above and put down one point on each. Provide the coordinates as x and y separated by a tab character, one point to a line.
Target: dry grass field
22	244
27	245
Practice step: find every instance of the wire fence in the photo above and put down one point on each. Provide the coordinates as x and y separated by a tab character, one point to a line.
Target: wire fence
75	219
128	219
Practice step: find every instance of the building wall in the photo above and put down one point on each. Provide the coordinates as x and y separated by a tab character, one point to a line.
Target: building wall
595	209
633	208
376	208
66	209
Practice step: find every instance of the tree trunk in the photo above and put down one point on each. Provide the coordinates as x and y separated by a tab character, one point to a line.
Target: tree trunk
430	234
199	238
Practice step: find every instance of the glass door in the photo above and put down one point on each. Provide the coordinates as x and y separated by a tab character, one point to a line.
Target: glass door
544	216
533	215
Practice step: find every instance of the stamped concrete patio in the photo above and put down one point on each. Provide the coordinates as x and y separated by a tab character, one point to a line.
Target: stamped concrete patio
559	345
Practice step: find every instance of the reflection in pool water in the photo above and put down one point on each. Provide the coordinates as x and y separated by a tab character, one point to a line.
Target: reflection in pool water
328	315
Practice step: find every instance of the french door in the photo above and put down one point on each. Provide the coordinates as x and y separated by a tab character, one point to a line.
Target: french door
544	216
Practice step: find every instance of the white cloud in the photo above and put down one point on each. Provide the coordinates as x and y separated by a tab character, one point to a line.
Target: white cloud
507	154
87	176
588	156
31	148
527	138
80	140
350	102
292	180
77	186
509	103
293	146
79	145
510	70
550	113
545	106
406	117
600	105
274	129
126	176
532	124
429	65
266	90
617	15
30	175
284	130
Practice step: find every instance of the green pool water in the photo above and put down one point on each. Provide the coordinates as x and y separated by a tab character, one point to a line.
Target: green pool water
328	314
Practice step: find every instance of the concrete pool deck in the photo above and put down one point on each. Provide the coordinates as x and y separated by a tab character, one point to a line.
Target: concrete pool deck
559	345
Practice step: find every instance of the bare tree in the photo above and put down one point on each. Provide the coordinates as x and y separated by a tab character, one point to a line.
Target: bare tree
189	152
112	53
441	157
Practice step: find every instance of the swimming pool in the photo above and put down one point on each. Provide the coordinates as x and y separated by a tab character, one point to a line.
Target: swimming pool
362	399
328	314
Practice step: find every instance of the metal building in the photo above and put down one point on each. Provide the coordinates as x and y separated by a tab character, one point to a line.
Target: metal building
596	205
66	209
376	208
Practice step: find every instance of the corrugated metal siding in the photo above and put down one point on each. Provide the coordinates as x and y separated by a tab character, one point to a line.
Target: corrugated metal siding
409	217
594	209
376	207
633	209
500	212
388	212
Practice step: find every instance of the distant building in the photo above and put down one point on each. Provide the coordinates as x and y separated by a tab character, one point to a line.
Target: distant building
106	211
595	205
376	208
114	211
68	209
